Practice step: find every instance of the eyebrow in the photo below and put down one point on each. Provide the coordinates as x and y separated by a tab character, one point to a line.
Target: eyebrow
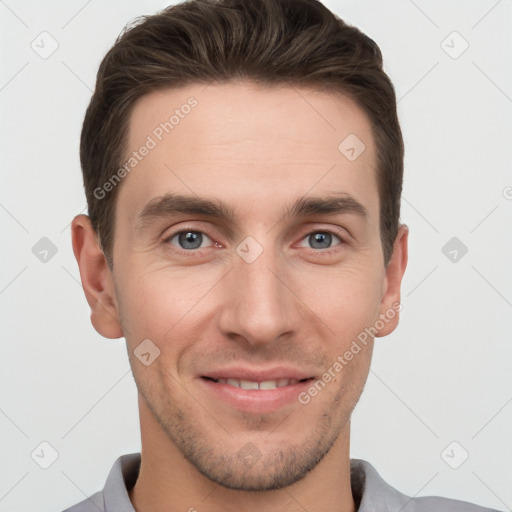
170	205
337	204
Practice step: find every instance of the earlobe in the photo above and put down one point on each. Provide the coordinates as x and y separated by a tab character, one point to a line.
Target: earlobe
96	278
390	304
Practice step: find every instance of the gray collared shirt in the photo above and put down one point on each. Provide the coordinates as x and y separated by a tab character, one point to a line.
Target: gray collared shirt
368	488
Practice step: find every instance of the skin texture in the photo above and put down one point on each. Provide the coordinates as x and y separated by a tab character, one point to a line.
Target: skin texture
258	149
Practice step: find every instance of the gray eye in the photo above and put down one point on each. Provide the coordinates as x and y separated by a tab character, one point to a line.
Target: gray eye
189	239
320	240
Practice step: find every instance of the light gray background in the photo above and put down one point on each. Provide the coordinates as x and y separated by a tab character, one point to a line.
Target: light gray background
443	376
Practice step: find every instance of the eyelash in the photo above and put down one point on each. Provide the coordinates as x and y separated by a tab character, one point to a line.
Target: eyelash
200	251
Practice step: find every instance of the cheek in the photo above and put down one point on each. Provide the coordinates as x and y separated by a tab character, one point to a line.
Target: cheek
346	299
162	304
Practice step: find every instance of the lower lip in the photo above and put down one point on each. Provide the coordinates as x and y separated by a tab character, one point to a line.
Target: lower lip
257	401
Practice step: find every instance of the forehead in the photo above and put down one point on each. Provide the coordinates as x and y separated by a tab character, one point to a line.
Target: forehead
242	139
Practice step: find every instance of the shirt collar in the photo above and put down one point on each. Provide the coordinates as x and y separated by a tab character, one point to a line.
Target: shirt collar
368	487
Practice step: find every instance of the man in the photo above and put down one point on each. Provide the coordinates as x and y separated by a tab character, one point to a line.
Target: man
243	165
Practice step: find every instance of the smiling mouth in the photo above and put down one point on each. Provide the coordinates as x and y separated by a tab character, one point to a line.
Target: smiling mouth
256	385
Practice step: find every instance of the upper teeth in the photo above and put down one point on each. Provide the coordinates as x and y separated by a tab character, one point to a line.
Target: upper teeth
250	384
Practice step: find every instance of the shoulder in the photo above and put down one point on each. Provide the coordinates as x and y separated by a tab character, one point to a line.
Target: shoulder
438	504
94	503
374	493
114	495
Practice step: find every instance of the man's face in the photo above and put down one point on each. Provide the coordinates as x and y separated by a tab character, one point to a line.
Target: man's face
266	295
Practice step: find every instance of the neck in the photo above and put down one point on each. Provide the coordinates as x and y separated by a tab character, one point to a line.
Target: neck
167	482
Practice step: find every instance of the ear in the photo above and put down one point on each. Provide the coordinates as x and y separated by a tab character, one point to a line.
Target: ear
390	305
96	278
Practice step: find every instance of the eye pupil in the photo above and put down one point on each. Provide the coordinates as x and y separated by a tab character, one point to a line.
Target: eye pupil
190	239
324	239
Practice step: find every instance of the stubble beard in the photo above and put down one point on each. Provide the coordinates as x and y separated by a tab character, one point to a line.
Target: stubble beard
251	467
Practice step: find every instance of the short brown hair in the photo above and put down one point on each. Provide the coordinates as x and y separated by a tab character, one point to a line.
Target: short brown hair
299	42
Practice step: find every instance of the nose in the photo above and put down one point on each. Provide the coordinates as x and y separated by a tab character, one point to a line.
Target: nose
259	306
